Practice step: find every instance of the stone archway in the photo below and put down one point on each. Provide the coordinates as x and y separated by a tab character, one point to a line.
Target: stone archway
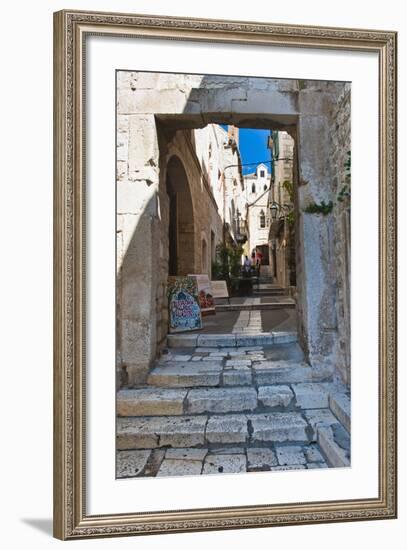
181	232
319	122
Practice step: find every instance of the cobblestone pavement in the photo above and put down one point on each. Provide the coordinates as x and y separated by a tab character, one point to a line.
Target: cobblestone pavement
219	409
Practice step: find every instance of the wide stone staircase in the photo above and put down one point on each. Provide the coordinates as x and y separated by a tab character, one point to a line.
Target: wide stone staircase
232	403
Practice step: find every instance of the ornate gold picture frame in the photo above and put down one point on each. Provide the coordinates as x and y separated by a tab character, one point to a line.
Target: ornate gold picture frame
71	518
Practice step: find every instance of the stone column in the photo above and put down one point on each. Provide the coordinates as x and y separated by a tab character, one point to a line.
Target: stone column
316	277
137	256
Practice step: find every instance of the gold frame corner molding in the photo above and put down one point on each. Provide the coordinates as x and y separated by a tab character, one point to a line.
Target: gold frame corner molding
71	520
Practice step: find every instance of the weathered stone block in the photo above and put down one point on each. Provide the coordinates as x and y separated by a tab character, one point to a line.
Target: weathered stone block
186	454
131	463
224	464
238	363
310	396
220	340
227	429
320	417
221	400
290	455
177	467
260	459
186	375
339	404
237	377
312	454
150	402
182	340
269	372
336	456
275	396
259	339
284	337
160	431
278	427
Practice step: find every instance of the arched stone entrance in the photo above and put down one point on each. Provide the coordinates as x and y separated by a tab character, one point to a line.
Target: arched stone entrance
181	231
147	121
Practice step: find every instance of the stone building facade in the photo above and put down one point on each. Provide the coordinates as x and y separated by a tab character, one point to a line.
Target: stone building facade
158	113
282	230
258	189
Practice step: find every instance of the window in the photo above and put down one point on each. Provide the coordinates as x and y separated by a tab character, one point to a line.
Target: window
253	187
262	173
262	219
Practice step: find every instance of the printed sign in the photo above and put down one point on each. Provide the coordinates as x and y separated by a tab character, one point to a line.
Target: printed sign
219	289
205	298
183	305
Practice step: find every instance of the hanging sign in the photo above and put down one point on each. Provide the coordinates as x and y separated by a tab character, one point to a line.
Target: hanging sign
183	305
205	298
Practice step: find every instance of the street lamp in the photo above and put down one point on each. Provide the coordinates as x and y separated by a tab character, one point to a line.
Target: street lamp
274	208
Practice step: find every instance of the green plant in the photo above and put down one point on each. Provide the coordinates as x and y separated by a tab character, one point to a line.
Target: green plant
289	187
321	208
344	193
227	263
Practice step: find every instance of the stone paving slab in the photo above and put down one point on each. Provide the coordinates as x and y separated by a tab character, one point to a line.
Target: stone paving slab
320	417
160	431
260	459
285	337
311	395
224	464
290	455
339	403
150	401
131	463
217	400
278	427
189	453
177	467
312	454
335	455
270	372
259	339
222	340
182	340
186	375
241	376
231	428
275	396
238	362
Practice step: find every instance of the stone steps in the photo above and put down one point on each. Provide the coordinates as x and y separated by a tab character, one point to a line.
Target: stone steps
288	303
161	401
232	409
238	372
190	340
232	459
210	430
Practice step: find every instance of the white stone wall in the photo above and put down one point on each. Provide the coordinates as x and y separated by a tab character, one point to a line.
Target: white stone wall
258	201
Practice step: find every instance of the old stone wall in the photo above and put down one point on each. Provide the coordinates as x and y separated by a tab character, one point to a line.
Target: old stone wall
341	147
155	112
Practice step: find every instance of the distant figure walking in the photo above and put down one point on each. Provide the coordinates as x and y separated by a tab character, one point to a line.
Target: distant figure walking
247	266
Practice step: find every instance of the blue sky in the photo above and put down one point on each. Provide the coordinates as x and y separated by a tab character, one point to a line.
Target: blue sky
253	147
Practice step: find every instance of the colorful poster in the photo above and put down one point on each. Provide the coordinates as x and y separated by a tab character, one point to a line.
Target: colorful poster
183	305
205	298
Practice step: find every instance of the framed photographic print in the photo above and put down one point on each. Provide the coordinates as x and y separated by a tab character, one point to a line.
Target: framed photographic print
225	274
